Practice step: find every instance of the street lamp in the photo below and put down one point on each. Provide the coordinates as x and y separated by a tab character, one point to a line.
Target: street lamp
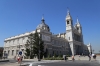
93	51
18	47
39	49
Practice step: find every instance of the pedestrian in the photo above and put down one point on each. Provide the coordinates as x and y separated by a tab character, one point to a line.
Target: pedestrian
94	56
21	58
14	57
89	57
65	58
73	58
18	59
79	57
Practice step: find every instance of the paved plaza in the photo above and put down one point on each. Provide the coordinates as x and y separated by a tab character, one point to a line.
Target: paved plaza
70	63
61	63
82	62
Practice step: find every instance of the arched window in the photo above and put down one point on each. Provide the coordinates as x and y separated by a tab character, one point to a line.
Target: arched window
13	41
77	28
23	41
67	22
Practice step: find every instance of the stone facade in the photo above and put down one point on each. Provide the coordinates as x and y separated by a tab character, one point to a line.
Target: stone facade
70	42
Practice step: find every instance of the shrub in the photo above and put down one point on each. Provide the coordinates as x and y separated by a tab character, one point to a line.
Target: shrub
54	58
68	55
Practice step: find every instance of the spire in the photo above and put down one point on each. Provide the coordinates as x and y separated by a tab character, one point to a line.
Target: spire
77	20
68	15
43	19
89	43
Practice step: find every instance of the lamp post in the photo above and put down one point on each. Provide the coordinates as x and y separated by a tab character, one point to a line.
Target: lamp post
93	51
18	47
39	49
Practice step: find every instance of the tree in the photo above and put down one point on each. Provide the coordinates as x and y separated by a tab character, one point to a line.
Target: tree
27	52
29	45
36	45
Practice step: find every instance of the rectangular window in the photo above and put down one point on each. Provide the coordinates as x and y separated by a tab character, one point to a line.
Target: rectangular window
4	51
8	52
12	52
77	28
16	52
69	38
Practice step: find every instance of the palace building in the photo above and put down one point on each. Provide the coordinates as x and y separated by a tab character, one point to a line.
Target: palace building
69	42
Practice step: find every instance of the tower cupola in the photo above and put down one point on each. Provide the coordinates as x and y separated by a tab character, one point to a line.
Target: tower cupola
68	17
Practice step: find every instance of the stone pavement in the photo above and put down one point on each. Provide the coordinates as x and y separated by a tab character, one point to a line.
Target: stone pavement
31	62
9	64
35	62
71	63
46	63
83	58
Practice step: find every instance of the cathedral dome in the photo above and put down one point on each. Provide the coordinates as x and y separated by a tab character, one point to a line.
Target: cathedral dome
43	25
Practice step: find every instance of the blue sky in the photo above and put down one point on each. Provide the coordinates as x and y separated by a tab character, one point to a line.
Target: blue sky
20	16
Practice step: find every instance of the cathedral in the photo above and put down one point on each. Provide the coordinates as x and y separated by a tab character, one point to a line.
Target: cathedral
69	42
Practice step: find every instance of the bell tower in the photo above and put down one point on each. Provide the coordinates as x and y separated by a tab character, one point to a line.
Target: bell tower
69	27
69	31
79	29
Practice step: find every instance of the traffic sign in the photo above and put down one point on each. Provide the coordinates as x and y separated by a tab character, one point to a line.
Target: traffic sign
20	52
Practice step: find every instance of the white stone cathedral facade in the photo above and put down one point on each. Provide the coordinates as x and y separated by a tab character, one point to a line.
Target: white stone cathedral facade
70	42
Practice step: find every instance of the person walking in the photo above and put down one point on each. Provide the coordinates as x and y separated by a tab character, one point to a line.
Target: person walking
89	57
18	59
79	57
73	58
94	57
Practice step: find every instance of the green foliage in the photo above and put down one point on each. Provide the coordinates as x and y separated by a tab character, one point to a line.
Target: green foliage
35	43
60	55
55	55
53	58
68	55
27	52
